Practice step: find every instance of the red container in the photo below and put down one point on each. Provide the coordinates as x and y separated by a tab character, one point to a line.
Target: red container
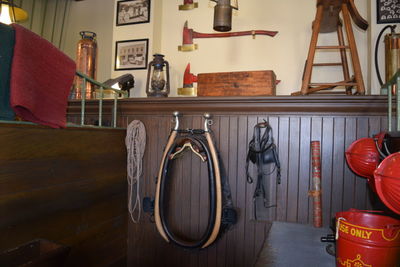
363	158
367	238
387	181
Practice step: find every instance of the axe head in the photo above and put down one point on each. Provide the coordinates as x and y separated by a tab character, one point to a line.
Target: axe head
187	39
188	78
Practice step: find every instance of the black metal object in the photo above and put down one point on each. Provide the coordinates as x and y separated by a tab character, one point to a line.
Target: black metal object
125	82
148	204
223	15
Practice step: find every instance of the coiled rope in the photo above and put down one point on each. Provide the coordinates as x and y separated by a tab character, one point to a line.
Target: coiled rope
135	142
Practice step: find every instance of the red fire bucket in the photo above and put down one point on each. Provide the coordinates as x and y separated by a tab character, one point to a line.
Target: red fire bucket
367	238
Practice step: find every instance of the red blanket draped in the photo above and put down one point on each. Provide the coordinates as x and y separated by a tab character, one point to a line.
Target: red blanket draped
41	78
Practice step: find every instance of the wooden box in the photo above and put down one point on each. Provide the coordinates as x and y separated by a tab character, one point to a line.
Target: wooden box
241	83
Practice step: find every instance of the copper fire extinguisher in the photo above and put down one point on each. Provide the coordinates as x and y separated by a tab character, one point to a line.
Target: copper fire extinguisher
392	53
86	60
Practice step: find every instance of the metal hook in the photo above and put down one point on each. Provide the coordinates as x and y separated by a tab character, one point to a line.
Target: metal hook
207	121
386	148
379	150
176	119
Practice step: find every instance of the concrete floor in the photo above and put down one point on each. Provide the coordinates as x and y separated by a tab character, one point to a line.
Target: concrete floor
290	244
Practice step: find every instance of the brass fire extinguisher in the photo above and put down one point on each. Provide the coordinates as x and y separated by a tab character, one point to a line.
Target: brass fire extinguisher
392	53
86	60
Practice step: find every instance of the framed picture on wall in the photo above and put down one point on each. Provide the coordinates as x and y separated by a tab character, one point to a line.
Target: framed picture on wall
133	12
131	54
388	11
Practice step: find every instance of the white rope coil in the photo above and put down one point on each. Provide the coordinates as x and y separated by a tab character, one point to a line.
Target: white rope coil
135	142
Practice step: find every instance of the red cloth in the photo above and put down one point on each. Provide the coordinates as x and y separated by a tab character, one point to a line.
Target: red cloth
41	79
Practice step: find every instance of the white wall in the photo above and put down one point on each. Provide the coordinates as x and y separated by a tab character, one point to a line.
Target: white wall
151	31
285	53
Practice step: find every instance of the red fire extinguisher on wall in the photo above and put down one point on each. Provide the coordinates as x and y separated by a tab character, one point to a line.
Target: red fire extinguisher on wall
392	53
86	60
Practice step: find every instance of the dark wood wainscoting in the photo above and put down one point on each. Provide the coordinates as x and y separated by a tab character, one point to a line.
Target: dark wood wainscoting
335	121
67	186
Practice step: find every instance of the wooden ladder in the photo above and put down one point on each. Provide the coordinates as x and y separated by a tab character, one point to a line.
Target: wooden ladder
320	25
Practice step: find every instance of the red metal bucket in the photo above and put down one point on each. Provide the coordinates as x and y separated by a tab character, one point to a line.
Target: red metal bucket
367	238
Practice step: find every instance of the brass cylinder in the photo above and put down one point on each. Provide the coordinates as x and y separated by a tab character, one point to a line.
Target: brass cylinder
86	60
223	16
392	54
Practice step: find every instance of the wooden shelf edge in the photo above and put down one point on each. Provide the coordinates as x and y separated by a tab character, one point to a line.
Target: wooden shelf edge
313	104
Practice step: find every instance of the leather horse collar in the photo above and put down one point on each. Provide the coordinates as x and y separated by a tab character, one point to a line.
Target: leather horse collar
222	214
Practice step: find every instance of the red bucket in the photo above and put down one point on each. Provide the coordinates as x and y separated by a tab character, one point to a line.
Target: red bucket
367	238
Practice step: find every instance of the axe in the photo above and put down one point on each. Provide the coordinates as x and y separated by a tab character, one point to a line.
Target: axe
188	4
190	34
188	80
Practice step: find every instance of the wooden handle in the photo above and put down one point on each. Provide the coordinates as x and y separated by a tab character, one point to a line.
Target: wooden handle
358	20
232	34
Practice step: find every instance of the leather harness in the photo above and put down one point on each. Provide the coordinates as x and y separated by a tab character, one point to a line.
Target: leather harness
222	215
262	151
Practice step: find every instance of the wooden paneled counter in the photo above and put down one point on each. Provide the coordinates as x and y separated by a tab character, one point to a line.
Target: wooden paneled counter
334	120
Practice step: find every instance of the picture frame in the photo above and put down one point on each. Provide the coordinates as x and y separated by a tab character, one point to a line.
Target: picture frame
388	11
131	54
133	12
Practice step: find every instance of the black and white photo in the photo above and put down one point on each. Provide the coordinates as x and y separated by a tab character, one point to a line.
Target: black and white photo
388	11
131	54
133	12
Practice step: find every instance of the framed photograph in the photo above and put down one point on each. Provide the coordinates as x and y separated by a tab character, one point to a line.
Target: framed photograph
131	54
388	11
133	12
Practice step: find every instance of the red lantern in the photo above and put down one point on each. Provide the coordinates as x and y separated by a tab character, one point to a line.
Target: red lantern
387	181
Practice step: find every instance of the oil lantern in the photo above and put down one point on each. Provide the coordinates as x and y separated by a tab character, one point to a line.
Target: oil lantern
156	84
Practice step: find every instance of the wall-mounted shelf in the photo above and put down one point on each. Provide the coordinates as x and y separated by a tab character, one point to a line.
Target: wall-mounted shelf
318	104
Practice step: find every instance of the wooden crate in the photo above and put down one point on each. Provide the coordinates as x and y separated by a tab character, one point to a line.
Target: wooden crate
241	83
